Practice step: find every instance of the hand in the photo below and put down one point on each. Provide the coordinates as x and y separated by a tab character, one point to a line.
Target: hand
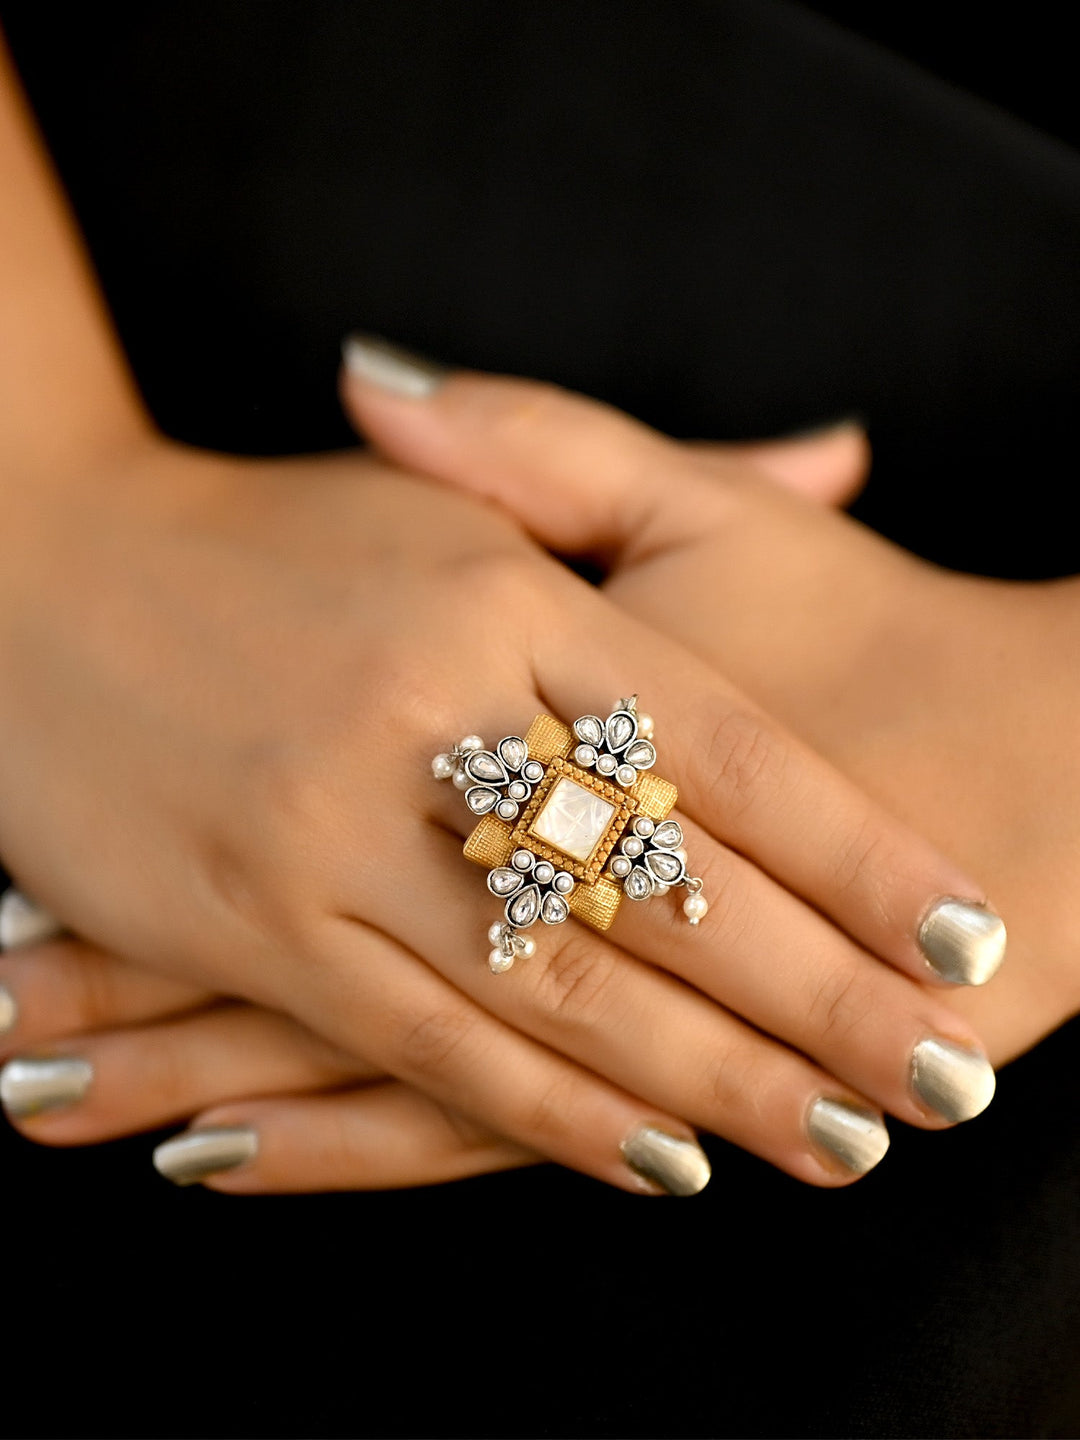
944	695
200	697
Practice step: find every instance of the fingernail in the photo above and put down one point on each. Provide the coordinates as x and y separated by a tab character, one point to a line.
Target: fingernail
677	1165
24	923
29	1086
854	1136
820	428
954	1080
390	367
963	942
186	1159
9	1011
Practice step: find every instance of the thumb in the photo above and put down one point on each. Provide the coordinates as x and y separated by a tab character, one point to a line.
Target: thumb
829	464
580	476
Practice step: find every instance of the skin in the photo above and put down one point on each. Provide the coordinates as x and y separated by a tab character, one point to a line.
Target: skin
223	683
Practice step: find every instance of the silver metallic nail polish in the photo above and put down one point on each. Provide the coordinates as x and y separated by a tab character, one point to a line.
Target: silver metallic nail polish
401	372
9	1011
677	1165
963	942
952	1079
32	1084
851	1134
24	923
191	1157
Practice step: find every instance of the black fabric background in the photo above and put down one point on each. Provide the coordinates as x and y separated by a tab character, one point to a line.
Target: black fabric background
733	219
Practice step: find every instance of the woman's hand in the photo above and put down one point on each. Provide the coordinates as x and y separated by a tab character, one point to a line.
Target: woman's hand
948	697
224	683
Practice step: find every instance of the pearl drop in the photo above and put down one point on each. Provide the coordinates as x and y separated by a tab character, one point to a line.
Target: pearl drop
495	933
442	767
461	780
645	725
471	742
525	946
500	962
694	908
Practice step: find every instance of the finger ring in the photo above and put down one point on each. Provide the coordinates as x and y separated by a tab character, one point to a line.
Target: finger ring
571	819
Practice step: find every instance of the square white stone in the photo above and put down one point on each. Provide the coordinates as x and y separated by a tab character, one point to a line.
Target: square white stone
573	819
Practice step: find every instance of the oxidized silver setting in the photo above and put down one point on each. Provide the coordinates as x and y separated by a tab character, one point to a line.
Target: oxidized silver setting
570	821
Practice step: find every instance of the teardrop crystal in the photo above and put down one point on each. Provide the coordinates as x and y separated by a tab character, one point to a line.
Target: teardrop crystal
554	909
641	755
638	885
503	881
480	799
621	729
513	752
666	867
482	765
668	836
524	909
590	729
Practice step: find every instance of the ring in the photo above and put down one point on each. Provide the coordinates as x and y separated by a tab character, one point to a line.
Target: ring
571	819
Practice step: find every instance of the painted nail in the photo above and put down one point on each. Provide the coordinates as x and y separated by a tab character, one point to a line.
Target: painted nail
402	372
677	1165
24	923
952	1079
9	1011
186	1159
854	1136
963	942
31	1085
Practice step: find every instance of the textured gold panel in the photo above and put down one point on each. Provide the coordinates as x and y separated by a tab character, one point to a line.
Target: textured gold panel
653	797
596	905
548	737
489	844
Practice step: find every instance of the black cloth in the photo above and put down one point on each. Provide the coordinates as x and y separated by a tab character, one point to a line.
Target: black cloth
732	219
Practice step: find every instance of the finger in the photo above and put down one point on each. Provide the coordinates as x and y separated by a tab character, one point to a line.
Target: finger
118	1082
22	921
379	1137
829	465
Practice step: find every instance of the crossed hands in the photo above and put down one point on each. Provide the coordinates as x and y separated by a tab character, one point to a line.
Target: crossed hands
225	680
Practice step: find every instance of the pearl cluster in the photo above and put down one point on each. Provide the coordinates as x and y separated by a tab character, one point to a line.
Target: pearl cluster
448	765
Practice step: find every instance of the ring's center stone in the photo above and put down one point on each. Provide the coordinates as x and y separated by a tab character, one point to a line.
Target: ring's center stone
573	819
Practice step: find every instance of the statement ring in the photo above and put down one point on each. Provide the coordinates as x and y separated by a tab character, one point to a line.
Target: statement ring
571	819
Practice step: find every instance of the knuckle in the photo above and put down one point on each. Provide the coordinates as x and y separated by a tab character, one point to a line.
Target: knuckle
728	1084
859	864
93	984
834	1008
741	762
574	988
431	1044
553	1113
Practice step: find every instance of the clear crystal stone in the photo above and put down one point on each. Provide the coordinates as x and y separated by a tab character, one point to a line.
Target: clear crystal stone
621	729
669	835
522	859
482	765
533	771
554	909
522	910
643	826
590	729
480	799
638	885
503	881
641	755
513	752
573	819
665	867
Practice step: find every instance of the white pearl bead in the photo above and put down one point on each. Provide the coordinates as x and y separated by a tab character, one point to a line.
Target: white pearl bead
495	933
526	947
607	764
626	775
500	962
683	856
694	908
471	742
461	780
645	725
443	766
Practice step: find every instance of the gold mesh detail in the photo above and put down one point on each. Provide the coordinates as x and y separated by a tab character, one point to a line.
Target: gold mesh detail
548	737
490	843
653	796
596	905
